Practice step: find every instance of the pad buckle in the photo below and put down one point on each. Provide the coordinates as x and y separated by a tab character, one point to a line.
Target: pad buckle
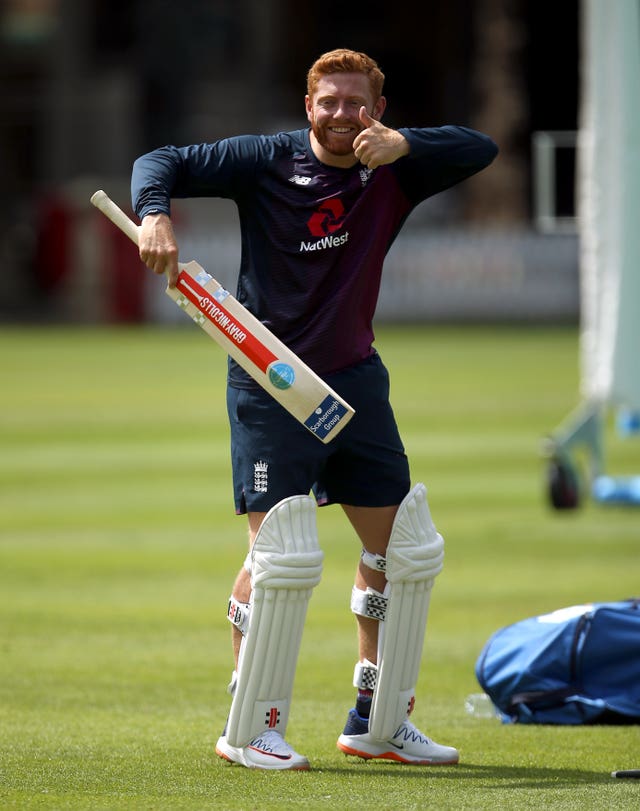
376	562
238	614
369	603
365	675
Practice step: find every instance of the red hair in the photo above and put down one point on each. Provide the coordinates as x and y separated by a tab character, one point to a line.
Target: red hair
343	60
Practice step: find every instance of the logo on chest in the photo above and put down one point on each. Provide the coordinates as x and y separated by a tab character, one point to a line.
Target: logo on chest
300	180
323	223
327	218
365	174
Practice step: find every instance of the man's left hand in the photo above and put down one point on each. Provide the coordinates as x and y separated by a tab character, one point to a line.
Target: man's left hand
377	145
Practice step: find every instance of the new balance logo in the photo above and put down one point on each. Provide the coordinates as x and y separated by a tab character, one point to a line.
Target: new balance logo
300	180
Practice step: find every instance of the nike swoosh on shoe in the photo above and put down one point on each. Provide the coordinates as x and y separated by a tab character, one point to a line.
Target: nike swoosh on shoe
270	754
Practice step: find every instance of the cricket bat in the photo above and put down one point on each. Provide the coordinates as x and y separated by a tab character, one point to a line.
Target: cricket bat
270	363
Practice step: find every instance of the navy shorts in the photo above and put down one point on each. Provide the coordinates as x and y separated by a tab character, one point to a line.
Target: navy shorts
273	456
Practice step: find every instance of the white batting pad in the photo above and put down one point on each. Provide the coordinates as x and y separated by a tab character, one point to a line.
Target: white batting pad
414	556
286	565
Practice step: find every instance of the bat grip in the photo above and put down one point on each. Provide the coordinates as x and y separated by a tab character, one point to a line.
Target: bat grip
117	216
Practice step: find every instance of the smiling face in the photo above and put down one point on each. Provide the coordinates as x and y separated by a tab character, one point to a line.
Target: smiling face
334	114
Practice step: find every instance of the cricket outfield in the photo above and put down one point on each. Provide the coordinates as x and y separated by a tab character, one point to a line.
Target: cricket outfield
118	546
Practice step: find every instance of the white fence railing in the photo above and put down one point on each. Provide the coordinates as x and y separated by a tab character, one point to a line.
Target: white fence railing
456	274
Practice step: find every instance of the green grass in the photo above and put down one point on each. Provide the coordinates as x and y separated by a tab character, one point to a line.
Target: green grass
118	546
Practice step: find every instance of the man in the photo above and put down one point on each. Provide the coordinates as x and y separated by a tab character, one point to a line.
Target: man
319	208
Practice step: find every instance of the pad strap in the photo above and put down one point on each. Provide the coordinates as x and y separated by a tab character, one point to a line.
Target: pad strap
365	675
231	687
238	614
369	603
376	562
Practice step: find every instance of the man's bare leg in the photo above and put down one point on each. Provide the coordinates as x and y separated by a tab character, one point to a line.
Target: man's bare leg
242	586
373	527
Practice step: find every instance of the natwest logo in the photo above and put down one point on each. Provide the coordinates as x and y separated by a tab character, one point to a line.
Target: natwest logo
322	224
327	219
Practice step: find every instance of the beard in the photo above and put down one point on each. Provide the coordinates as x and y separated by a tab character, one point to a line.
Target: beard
334	144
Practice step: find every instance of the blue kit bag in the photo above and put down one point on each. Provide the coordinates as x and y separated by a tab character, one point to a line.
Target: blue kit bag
577	665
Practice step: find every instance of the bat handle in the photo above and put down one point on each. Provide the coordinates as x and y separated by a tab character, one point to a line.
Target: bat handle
117	216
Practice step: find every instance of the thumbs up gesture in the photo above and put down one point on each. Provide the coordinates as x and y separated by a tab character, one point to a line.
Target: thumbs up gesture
376	144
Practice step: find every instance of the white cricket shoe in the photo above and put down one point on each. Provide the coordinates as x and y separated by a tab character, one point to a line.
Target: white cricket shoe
408	745
267	751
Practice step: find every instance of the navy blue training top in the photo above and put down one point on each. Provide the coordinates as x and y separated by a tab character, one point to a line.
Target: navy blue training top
314	237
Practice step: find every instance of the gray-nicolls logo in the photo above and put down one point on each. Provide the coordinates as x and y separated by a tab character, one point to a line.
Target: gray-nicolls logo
260	476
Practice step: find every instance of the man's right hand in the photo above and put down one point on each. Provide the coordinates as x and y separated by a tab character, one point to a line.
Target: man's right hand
158	247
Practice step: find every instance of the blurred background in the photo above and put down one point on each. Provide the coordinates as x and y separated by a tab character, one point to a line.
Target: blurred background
88	85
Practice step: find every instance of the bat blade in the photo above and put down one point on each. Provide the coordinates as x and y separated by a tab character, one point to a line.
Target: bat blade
277	369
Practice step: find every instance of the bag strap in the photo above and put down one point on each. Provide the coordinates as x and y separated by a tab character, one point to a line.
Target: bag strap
540	699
